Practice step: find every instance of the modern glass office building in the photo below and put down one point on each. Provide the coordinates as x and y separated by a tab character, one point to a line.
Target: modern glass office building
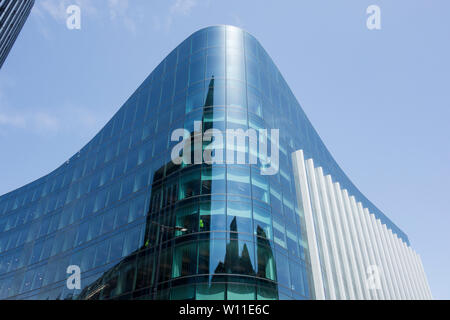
13	14
140	225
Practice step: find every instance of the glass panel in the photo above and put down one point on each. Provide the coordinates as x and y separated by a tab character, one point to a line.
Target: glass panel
240	257
144	270
236	94
212	216
198	41
263	222
215	63
260	186
213	291
116	247
101	254
235	64
197	69
216	37
238	180
184	260
266	261
213	180
297	277
189	185
211	257
240	292
279	232
239	217
183	293
187	217
283	273
266	292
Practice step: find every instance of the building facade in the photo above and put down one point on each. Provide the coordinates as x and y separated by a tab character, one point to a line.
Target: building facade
141	223
13	14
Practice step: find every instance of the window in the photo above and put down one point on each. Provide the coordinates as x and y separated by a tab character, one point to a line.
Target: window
283	274
181	77
240	292
132	241
213	180
108	221
240	257
184	260
260	186
211	257
216	37
215	63
187	217
210	291
297	277
238	180
189	185
195	100
279	232
197	68
263	223
101	254
266	262
95	226
236	94
239	216
212	216
235	64
182	293
267	292
144	270
198	41
292	242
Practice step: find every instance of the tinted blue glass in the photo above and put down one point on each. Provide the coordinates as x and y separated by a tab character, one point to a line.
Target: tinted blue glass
99	210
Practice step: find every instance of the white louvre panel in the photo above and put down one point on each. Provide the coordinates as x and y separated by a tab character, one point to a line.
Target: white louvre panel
364	246
417	294
320	232
419	280
423	277
350	239
386	273
400	282
395	293
303	196
405	284
335	255
385	292
353	254
374	267
341	244
358	245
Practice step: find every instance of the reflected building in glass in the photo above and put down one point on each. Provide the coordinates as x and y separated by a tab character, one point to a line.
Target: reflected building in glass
13	14
141	226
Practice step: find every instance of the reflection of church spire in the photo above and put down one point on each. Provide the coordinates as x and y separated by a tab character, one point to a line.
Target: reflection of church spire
237	262
162	196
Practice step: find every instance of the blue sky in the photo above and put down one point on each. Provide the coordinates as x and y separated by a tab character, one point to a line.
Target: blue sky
379	99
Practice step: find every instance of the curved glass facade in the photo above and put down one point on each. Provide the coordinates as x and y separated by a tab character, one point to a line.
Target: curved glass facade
114	208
